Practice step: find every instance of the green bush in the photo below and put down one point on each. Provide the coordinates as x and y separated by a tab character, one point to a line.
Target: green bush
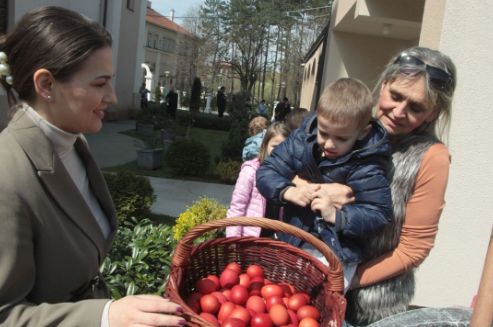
202	211
185	101
233	146
140	260
132	195
157	94
228	171
188	157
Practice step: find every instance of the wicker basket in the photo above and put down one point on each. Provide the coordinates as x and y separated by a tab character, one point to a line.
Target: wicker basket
281	263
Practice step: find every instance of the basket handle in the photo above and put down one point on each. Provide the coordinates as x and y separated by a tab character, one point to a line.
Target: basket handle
185	245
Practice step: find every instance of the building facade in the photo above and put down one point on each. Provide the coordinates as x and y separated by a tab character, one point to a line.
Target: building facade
167	51
363	35
125	22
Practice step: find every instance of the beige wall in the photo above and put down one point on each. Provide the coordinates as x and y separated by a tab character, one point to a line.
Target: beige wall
309	88
451	275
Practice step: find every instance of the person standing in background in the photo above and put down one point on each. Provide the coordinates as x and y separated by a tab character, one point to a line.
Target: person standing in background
172	101
221	101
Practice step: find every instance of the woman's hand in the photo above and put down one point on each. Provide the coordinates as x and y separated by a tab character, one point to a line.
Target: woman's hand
144	310
340	195
323	203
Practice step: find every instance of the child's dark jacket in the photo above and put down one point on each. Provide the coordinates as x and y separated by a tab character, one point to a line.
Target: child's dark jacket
363	170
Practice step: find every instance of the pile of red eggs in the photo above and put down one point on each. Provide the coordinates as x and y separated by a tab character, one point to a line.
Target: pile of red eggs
241	300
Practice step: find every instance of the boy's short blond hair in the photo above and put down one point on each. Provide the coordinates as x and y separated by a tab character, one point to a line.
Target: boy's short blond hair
257	125
346	100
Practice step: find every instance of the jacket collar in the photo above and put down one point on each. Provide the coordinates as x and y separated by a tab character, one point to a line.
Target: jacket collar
60	185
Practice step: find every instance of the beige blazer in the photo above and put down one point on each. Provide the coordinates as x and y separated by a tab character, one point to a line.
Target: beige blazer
51	246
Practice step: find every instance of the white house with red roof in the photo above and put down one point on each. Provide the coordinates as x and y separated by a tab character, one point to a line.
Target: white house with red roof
166	47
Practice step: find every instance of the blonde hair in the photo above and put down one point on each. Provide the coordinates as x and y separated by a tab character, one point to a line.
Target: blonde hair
257	125
346	100
439	99
275	129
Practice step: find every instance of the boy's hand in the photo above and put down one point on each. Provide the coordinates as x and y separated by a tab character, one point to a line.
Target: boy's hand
340	195
301	195
323	203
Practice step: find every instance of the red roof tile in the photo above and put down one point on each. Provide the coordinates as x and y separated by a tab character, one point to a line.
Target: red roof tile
156	18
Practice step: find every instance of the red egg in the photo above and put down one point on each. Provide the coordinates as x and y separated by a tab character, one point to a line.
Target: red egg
288	289
307	297
256	303
236	267
293	319
239	294
233	322
195	295
240	313
308	311
225	310
210	318
255	271
209	303
261	320
308	322
269	290
215	280
271	301
227	293
244	280
255	286
194	305
285	300
220	296
297	301
279	315
229	278
205	286
267	282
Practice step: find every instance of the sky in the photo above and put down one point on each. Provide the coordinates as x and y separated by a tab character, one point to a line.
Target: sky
181	7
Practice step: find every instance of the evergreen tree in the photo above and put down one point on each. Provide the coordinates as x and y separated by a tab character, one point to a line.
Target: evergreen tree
195	96
157	94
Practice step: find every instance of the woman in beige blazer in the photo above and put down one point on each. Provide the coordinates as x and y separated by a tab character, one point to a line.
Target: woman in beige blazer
56	215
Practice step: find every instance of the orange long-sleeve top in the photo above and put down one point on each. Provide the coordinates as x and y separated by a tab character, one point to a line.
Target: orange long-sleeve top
421	223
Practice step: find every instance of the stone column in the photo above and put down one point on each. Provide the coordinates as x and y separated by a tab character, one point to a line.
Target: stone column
208	105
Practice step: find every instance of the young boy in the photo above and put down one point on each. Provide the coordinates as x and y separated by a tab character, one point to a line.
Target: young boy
340	143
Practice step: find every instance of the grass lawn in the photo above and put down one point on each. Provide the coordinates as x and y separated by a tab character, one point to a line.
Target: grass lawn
212	139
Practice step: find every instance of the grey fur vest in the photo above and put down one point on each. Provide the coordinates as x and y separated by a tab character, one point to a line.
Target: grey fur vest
369	304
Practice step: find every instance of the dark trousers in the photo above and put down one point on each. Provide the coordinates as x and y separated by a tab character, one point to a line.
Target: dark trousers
220	111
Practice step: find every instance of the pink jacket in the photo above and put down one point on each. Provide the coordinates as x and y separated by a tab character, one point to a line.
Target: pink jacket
247	201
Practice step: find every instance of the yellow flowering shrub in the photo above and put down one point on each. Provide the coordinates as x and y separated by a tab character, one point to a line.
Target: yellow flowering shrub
202	211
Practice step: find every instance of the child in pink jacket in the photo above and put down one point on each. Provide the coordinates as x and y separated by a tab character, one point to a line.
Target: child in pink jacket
246	200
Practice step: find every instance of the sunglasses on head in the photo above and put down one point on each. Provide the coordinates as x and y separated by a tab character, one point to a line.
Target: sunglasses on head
438	78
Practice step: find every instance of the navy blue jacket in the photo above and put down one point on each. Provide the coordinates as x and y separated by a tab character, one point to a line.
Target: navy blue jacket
363	169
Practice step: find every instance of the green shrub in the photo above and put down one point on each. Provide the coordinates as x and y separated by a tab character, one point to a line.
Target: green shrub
157	94
188	157
132	195
202	211
228	171
185	101
140	260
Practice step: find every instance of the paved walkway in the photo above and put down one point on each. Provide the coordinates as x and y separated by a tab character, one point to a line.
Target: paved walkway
110	148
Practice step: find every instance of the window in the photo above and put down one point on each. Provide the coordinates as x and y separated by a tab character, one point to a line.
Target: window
171	44
148	40
155	42
165	45
130	4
